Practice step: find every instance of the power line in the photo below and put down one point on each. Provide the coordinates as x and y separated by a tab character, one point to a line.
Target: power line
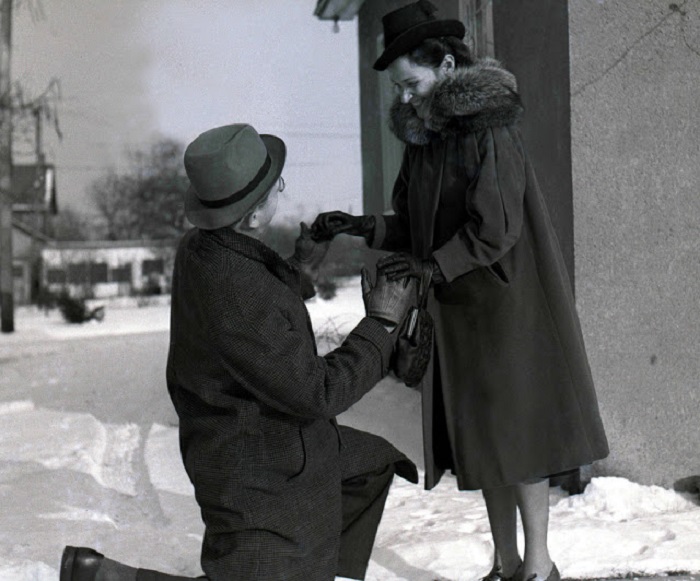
320	135
87	167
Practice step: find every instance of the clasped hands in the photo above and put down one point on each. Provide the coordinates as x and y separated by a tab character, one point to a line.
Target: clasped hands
308	252
328	225
398	276
394	291
386	300
403	265
400	265
311	246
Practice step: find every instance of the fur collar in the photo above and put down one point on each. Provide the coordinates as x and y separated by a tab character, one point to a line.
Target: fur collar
473	99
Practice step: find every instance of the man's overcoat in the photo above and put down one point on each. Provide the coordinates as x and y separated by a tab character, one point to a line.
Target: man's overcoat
511	397
256	405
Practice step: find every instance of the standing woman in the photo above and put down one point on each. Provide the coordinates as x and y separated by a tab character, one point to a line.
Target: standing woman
511	399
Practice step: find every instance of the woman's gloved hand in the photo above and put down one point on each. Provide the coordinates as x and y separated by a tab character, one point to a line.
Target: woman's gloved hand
385	300
308	253
327	225
403	265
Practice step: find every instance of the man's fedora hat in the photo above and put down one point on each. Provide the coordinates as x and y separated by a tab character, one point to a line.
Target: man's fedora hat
407	27
230	169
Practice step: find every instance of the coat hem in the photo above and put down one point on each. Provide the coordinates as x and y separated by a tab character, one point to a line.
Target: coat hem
462	485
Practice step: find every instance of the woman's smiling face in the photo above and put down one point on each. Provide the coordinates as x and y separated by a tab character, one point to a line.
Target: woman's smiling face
413	83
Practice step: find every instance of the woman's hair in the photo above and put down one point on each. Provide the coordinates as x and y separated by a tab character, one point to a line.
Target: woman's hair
431	51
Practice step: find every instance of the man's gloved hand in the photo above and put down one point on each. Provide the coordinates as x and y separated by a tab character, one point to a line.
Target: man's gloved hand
403	265
308	253
385	300
327	225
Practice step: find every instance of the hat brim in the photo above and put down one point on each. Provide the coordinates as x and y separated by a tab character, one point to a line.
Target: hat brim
412	37
212	218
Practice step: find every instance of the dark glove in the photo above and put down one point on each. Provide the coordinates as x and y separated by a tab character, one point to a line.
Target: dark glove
308	253
387	301
327	225
403	265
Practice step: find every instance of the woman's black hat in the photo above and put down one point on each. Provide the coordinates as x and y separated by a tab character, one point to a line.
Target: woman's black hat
407	27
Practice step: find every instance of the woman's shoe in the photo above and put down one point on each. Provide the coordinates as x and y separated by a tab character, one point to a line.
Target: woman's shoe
553	575
496	574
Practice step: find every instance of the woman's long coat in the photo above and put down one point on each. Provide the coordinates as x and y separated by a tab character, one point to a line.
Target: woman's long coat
257	410
511	395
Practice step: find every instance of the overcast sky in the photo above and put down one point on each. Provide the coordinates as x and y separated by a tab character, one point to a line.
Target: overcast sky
131	70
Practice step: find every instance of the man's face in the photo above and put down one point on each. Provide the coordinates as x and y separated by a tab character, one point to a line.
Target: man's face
267	209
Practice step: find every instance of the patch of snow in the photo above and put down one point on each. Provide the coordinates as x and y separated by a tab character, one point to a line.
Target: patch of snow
71	441
76	513
25	570
618	499
11	407
164	462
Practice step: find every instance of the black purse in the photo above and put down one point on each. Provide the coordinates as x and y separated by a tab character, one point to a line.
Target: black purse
414	346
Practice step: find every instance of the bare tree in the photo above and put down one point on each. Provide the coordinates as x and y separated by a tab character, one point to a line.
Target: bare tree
114	195
146	201
69	224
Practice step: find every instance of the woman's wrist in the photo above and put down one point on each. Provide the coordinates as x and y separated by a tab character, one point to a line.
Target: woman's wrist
438	277
366	228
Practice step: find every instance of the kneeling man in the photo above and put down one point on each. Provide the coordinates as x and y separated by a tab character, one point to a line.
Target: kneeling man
285	492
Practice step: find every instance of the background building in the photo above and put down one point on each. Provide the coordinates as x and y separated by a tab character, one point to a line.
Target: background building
33	202
102	269
27	245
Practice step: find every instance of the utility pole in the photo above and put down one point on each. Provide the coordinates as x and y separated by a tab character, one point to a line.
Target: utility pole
7	311
40	159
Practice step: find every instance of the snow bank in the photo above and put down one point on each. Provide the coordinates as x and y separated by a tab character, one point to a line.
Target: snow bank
164	463
616	528
76	442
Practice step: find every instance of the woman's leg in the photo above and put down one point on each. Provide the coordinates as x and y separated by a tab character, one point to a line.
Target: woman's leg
501	507
533	502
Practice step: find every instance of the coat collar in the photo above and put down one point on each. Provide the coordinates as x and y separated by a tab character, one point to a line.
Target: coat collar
257	251
475	98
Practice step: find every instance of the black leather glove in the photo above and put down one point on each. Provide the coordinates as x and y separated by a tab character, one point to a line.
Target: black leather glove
308	253
327	225
402	265
385	300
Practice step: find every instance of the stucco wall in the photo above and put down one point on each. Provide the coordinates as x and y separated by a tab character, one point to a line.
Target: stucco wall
635	97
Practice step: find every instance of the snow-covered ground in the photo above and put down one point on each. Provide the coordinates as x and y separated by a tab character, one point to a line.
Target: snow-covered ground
67	477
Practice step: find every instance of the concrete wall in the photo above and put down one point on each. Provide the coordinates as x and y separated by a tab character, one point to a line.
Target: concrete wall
635	98
531	39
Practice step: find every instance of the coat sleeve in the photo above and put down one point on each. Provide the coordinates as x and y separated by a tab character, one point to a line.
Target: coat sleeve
494	204
273	360
394	232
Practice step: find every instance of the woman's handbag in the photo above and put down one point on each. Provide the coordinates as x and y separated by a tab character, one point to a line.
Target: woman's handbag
414	345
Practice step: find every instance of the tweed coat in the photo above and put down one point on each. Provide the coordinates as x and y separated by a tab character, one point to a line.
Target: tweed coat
256	406
510	396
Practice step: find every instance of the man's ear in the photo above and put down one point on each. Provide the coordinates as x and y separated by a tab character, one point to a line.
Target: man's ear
251	221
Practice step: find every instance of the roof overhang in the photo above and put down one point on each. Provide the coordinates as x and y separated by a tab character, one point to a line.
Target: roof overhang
22	227
337	9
